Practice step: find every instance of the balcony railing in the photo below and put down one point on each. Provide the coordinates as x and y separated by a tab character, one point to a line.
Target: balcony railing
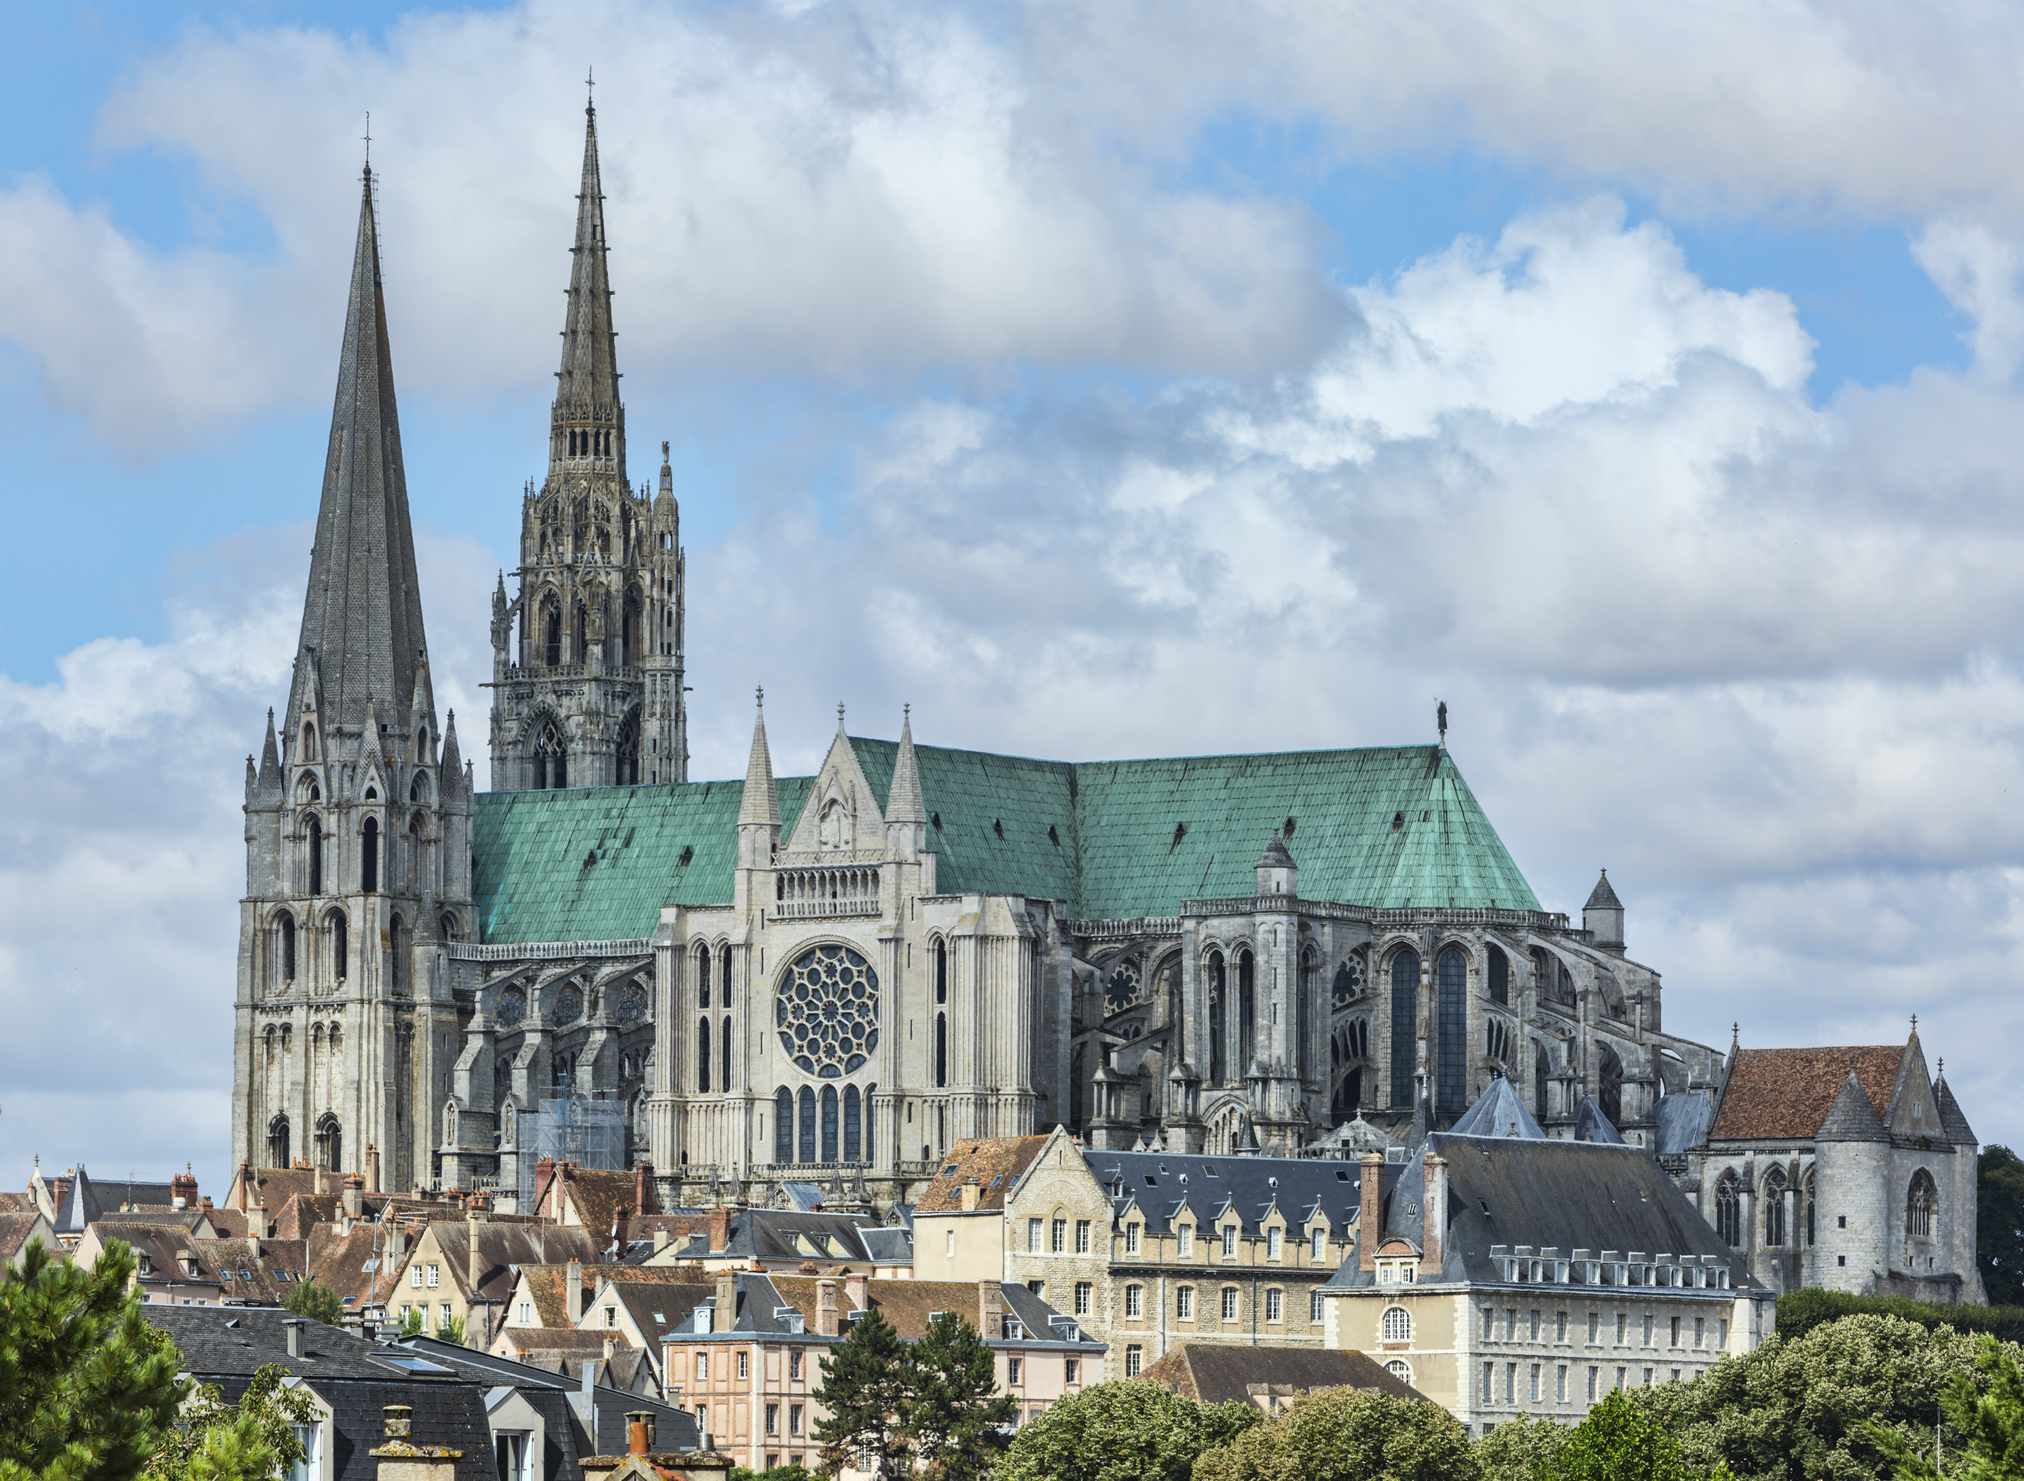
812	894
550	951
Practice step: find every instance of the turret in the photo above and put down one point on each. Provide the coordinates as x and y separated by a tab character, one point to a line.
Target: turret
759	807
1275	871
906	811
1603	916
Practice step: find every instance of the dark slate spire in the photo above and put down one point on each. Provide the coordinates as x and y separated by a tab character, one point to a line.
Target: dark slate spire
1852	1118
586	389
1602	897
362	619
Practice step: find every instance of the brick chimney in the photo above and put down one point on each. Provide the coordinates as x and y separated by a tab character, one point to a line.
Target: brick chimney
856	1289
474	1262
1370	1211
990	1308
183	1189
1434	1217
354	1196
643	1188
968	1193
720	1228
372	1169
572	1285
825	1308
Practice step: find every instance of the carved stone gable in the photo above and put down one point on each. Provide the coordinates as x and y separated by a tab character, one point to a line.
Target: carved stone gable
841	815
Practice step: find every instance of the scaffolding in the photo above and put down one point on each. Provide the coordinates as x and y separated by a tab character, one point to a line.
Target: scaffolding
588	1131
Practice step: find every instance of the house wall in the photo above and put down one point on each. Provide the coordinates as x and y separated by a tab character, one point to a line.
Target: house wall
960	1246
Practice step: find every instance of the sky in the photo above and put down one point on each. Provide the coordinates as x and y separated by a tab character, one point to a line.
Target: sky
1102	381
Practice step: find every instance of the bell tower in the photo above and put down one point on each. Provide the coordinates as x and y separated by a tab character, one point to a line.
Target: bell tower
358	823
587	658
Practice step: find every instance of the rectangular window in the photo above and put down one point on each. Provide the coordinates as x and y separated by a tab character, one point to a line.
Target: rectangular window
1619	1376
444	1319
1037	1287
1071	1371
1083	1290
1060	1244
1510	1383
1489	1379
1033	1236
1648	1378
1534	1323
1622	1326
1229	1303
1317	1310
1184	1303
1408	1272
794	1365
793	1419
1723	1327
1082	1236
1676	1332
1274	1310
1559	1326
1648	1329
1318	1254
433	1272
744	1369
1510	1324
1676	1375
1184	1242
702	1366
415	1276
1593	1374
611	1316
772	1419
1700	1331
1134	1359
1535	1383
1594	1321
1489	1324
1560	1383
1134	1301
1012	1370
1273	1244
1131	1238
1229	1241
310	1467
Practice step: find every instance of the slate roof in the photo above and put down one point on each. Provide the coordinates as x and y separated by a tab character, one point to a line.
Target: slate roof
1788	1092
996	1163
503	1249
656	1306
1590	1125
777	1234
1152	1180
1682	1122
1852	1118
1564	1194
1602	897
1383	826
1222	1373
1498	1111
1952	1121
906	1304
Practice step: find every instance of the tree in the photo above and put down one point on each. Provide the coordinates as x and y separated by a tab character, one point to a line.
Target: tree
1620	1442
451	1330
315	1300
1516	1449
1807	1407
867	1384
254	1438
957	1421
1121	1431
1990	1425
413	1323
87	1390
1347	1434
1999	1234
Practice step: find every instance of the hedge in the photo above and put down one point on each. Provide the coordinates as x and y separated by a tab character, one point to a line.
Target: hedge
1801	1311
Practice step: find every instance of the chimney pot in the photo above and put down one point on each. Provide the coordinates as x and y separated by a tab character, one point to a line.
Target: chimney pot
572	1281
639	1431
1370	1211
1434	1217
293	1327
720	1228
397	1421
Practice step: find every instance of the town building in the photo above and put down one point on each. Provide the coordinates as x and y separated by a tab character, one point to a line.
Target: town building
1270	1378
736	1239
959	1214
1508	1275
750	1357
464	1271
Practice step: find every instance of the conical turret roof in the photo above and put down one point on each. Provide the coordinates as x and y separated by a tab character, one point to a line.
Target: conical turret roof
1853	1117
1602	897
760	804
1275	855
1498	1112
362	616
904	802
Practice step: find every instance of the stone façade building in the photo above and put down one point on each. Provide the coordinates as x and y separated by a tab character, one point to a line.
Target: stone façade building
833	980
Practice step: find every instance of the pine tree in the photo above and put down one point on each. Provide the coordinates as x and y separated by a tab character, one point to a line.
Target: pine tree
867	1388
315	1300
957	1422
254	1438
87	1388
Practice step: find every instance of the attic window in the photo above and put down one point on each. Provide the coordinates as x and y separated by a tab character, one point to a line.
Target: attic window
936	819
1151	1181
1052	836
998	826
1208	1169
1287	831
688	853
1398	821
1341	1176
1180	832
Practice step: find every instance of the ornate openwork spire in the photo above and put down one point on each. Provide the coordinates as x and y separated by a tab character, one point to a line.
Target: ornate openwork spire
362	618
586	391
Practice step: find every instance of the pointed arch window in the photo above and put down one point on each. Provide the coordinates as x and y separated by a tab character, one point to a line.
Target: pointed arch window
1921	1198
1500	977
394	953
551	635
1218	1020
703	1057
1405	1001
829	1123
277	1142
287	925
724	1059
551	757
870	1123
853	1124
941	971
1451	980
1247	1011
1774	1209
369	856
627	760
1609	1084
1729	1211
702	977
313	836
941	1050
1310	976
807	1126
308	741
783	1125
329	1143
340	946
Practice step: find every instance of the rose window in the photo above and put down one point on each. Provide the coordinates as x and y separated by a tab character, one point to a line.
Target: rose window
1125	987
632	1002
568	1004
512	1007
827	1011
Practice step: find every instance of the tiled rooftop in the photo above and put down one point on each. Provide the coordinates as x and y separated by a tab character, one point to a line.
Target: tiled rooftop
1788	1092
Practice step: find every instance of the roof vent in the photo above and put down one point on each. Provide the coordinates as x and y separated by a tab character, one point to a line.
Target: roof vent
1053	837
1287	831
688	853
936	819
1398	821
998	826
1180	832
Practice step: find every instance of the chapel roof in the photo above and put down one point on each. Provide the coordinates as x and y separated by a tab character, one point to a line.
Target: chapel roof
1224	1373
1389	826
1788	1092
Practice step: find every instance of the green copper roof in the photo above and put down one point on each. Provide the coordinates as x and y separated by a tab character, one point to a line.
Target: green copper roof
1390	826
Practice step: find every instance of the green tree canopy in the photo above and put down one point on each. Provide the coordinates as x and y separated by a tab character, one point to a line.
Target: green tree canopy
1999	1231
1988	1421
216	1441
87	1391
957	1421
1348	1434
867	1385
315	1300
1121	1431
1619	1441
1514	1450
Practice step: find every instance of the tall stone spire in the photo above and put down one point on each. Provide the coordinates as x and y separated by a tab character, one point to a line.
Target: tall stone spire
904	803
362	619
760	804
586	390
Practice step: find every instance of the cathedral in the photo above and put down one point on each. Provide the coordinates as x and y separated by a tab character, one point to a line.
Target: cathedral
835	978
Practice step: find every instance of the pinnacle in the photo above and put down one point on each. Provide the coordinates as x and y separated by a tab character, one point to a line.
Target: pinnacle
586	390
760	803
904	803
